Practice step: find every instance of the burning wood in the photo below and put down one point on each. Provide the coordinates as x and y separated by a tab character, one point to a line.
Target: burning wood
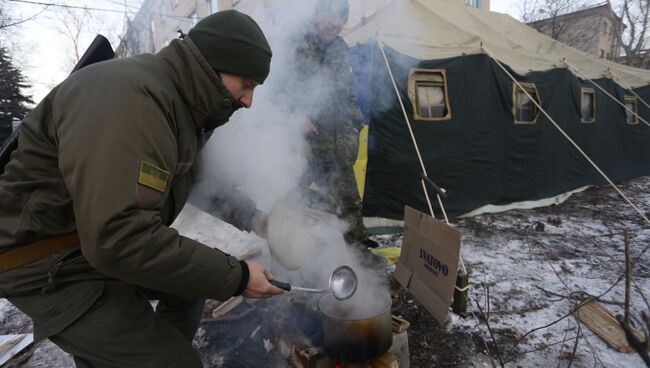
294	337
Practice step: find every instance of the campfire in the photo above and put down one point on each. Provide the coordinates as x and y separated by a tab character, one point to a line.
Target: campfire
292	332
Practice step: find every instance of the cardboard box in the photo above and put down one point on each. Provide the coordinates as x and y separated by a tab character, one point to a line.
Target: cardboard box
428	262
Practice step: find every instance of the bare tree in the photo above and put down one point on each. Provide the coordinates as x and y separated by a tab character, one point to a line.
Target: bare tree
7	21
79	27
635	15
536	10
73	24
557	19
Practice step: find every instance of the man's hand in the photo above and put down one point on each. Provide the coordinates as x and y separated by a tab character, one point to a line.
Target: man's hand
258	282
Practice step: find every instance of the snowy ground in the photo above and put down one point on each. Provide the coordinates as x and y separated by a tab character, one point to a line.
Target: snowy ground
530	260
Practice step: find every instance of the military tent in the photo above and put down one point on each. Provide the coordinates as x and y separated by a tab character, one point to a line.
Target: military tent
479	134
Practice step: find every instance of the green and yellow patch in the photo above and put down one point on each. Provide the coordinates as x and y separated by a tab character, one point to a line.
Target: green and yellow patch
153	177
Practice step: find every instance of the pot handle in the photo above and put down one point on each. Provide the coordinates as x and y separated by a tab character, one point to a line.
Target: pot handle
282	285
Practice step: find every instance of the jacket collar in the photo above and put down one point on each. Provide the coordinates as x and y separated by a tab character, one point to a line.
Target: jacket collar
201	88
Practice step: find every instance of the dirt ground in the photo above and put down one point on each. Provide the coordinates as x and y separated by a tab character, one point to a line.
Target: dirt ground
535	265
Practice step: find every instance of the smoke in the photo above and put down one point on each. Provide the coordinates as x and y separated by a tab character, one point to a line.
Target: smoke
262	153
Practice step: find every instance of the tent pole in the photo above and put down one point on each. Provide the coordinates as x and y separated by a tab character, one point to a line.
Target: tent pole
577	72
408	125
611	183
417	149
426	195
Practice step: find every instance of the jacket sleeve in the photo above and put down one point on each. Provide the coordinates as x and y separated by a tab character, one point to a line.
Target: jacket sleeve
231	206
104	135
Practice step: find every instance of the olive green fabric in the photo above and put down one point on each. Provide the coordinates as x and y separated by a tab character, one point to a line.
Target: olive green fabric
121	329
77	167
232	42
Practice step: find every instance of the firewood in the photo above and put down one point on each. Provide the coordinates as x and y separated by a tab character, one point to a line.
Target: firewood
227	306
399	324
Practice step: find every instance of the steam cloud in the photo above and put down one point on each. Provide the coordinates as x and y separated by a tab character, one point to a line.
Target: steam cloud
262	151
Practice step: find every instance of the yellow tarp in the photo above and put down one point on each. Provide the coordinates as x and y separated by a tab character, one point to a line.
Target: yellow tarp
362	160
391	254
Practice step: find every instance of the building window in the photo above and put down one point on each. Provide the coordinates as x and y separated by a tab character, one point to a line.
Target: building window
194	18
427	90
631	104
213	6
474	3
587	105
523	108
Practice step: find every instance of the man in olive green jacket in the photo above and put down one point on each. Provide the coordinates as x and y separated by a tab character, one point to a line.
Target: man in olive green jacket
103	166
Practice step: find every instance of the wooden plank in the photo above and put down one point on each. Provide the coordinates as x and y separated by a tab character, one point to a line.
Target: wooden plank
12	345
10	342
227	306
399	324
603	323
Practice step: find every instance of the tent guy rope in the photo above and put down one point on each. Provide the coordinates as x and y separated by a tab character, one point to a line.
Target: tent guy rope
415	144
577	72
408	124
611	183
417	150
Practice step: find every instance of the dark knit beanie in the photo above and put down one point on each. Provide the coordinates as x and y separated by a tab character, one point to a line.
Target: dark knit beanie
340	8
233	43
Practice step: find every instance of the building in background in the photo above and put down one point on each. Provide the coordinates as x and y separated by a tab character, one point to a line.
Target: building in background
481	4
594	30
158	21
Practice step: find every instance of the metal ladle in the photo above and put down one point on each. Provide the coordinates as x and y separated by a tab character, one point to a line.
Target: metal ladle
343	284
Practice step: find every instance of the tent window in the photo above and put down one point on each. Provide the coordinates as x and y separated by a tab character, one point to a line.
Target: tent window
430	100
523	108
587	105
631	104
427	90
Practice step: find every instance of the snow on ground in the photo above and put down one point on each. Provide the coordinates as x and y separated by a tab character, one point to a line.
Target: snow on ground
211	231
529	259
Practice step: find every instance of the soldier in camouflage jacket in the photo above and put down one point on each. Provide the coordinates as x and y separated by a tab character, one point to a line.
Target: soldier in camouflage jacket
332	116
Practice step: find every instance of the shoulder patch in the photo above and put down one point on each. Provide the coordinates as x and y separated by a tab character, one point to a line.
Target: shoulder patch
153	177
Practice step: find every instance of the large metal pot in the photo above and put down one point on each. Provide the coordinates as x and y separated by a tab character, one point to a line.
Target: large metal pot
352	337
